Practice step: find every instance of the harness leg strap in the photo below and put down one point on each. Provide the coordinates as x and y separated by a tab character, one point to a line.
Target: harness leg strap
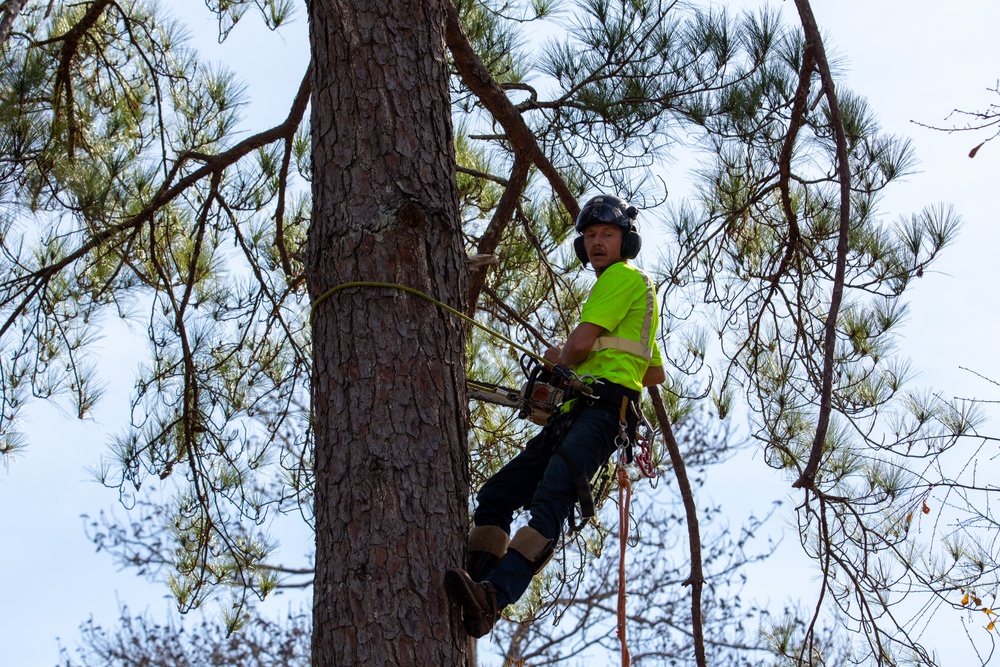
583	493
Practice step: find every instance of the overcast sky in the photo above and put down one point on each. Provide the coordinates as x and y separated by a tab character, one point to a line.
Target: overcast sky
914	60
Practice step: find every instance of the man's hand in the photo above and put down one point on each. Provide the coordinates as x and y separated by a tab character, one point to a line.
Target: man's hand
553	354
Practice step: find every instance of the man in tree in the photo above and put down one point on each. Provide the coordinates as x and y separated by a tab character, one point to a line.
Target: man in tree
615	343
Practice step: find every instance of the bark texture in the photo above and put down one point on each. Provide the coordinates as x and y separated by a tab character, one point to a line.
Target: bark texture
389	395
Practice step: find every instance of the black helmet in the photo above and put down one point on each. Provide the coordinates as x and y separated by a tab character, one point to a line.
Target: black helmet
609	210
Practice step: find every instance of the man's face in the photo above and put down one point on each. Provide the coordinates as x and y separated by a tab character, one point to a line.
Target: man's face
603	242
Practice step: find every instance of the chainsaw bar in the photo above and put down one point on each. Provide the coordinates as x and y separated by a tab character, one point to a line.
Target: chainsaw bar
544	399
496	394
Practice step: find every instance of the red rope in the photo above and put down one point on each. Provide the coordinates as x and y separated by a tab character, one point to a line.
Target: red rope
624	498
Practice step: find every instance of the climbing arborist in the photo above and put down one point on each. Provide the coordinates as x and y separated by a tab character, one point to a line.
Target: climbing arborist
615	345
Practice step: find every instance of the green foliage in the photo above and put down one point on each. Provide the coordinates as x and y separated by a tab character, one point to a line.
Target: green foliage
112	132
492	30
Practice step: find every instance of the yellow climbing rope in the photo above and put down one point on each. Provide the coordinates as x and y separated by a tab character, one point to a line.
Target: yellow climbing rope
410	290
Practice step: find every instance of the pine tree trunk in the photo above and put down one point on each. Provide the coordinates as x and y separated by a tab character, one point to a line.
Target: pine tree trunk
388	391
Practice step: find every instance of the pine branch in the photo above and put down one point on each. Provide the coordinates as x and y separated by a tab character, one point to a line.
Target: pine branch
477	77
697	578
502	217
814	43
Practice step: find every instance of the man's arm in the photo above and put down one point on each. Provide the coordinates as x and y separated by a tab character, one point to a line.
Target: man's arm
653	375
577	346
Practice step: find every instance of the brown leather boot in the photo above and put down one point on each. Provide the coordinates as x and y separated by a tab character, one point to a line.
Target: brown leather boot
478	601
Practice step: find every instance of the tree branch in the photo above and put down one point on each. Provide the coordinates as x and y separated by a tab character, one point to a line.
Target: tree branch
814	42
502	217
166	194
477	77
11	9
697	578
301	101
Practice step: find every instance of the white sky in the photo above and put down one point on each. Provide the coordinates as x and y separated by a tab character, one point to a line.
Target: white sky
914	60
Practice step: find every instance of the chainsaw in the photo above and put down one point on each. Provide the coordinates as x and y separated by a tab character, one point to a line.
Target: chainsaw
539	397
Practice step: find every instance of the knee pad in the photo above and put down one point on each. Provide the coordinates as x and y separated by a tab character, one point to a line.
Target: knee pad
534	546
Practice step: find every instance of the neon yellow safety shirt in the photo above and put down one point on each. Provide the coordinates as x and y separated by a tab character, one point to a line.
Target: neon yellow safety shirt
623	302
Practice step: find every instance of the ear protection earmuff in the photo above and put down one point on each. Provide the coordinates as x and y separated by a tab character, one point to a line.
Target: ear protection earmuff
631	243
581	250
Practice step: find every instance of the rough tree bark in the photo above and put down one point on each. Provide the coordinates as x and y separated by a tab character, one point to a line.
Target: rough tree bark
388	391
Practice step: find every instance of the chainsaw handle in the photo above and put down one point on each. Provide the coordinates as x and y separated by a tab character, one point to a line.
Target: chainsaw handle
571	380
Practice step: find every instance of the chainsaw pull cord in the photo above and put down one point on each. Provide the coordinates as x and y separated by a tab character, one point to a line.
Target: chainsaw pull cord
624	500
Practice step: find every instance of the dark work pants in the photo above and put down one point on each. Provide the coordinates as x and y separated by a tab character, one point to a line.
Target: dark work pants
540	480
